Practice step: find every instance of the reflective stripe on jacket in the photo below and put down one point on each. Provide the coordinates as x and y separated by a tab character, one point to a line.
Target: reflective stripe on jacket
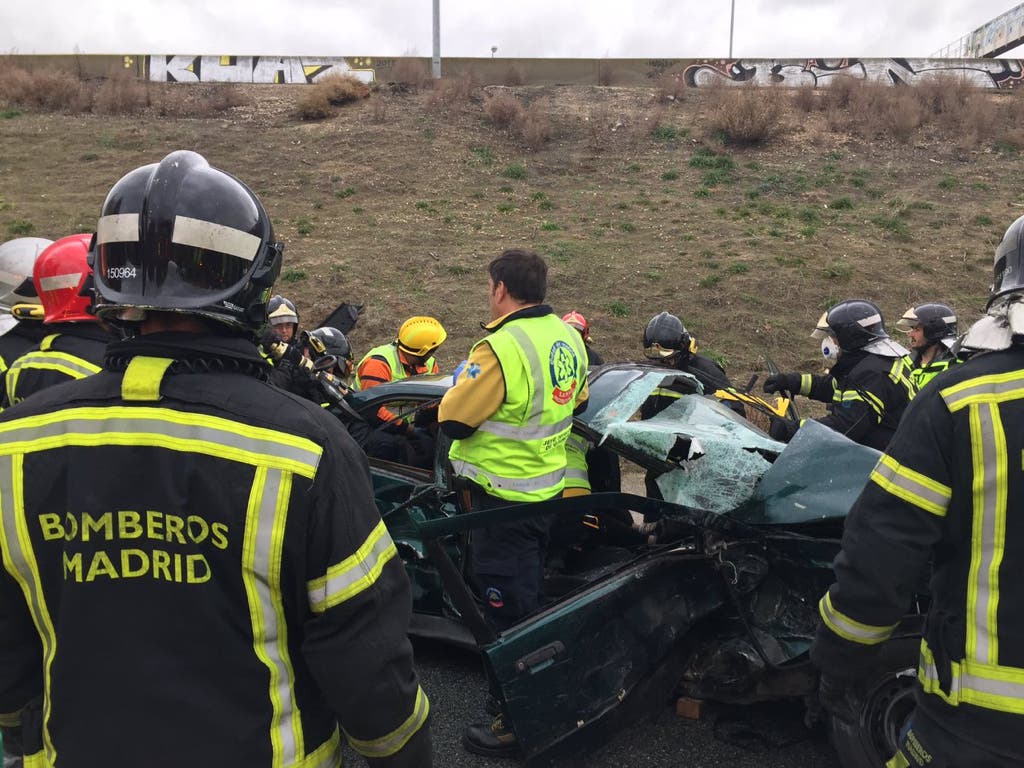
219	534
73	354
946	494
389	352
518	453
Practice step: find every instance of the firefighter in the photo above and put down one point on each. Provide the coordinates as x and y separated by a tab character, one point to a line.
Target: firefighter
178	515
410	354
21	329
945	495
579	322
509	415
321	357
668	343
282	319
868	385
75	340
932	332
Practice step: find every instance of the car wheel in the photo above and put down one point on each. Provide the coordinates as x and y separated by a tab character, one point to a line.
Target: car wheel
884	711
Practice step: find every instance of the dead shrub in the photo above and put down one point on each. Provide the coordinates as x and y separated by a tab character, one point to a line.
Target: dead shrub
341	89
314	104
975	122
605	73
16	85
842	89
869	109
943	93
379	113
1012	140
503	110
534	127
806	100
450	94
672	85
225	96
746	115
410	73
121	94
61	91
514	75
903	114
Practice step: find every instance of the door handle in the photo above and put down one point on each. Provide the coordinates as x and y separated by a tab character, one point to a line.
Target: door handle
541	658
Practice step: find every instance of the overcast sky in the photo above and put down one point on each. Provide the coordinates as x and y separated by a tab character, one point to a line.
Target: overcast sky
519	28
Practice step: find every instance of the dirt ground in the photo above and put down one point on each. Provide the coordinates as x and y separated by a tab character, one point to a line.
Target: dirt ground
399	201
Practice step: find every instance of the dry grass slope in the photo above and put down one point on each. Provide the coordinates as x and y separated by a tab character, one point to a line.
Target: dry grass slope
746	212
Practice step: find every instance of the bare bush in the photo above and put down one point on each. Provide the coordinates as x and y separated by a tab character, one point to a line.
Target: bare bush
16	84
121	94
48	90
976	121
535	126
841	90
450	94
943	93
1012	139
746	115
605	73
379	113
903	113
227	96
806	99
314	104
672	85
340	89
411	73
514	75
503	110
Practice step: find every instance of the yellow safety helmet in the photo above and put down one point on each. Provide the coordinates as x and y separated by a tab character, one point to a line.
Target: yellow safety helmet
421	335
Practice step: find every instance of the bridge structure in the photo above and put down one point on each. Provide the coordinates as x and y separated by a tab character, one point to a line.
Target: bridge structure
996	36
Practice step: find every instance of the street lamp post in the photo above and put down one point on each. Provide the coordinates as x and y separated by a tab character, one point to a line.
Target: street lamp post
437	40
732	20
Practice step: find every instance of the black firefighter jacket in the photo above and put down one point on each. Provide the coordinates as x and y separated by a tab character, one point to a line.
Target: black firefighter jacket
195	573
947	490
867	395
68	351
22	337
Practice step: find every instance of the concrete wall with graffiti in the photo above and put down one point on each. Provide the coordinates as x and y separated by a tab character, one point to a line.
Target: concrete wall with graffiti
1003	74
818	73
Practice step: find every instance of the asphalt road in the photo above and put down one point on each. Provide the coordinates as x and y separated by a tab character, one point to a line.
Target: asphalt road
774	735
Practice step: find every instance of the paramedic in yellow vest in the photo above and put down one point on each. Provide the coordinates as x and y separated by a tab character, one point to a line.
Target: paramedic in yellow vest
410	354
509	415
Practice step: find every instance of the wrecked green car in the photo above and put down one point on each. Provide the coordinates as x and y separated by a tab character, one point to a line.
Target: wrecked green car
712	594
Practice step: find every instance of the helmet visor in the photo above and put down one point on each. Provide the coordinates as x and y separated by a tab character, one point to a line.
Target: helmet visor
196	263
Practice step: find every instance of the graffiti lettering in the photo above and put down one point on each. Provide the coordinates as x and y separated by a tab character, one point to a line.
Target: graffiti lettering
817	73
252	69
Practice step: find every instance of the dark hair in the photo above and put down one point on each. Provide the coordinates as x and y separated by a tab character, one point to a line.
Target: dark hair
524	273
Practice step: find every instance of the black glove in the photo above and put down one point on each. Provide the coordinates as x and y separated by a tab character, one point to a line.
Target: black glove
782	429
840	698
782	382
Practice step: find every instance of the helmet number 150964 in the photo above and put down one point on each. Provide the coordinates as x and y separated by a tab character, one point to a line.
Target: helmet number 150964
120	273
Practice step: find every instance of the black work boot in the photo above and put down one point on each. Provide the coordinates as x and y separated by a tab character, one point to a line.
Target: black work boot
493	739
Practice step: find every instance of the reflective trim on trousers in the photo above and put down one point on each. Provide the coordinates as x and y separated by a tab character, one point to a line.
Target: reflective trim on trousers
522	484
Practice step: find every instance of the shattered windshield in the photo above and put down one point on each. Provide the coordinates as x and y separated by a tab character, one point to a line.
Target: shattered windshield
716	458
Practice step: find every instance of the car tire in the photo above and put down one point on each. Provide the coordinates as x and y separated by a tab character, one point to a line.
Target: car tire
885	708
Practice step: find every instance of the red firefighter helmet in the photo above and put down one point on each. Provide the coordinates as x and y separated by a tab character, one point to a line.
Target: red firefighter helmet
59	274
579	322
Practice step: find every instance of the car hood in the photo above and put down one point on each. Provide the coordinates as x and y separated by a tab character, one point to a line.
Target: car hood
700	453
703	455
